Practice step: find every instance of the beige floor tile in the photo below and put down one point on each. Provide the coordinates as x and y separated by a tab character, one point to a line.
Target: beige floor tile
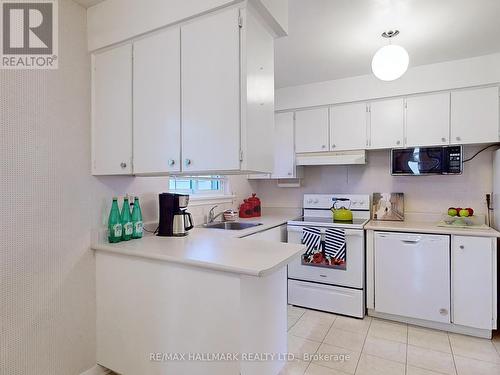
291	320
430	360
345	339
319	316
352	324
299	346
411	370
429	338
387	349
388	330
310	329
295	311
371	365
469	366
337	358
294	368
496	342
315	369
473	347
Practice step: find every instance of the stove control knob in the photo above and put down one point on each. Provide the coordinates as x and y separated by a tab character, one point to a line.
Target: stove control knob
316	201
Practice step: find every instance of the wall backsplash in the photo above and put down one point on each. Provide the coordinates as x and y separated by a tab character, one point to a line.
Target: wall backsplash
432	194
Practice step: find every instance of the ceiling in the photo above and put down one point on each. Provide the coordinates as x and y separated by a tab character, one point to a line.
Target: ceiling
331	39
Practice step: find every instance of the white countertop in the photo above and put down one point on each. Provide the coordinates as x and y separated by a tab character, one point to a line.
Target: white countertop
218	249
428	227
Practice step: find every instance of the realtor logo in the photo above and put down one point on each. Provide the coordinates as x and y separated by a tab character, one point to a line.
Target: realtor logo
29	34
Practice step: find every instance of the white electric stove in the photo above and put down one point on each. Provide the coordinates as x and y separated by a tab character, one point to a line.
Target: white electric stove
326	280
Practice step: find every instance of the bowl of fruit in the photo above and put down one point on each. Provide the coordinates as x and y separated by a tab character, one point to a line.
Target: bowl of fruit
460	216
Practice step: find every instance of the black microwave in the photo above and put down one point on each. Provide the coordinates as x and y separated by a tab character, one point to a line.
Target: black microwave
418	161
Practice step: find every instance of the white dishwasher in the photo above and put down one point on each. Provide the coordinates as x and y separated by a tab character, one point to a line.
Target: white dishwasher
412	275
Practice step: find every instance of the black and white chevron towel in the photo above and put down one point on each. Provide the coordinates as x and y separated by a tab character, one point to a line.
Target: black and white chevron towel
311	237
335	245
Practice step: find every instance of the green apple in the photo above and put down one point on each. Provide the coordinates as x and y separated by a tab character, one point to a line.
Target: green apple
452	211
464	213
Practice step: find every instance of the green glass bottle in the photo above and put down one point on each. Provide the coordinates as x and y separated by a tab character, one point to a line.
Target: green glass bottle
137	219
126	220
114	223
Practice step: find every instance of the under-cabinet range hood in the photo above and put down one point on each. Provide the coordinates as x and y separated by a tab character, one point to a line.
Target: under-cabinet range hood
332	158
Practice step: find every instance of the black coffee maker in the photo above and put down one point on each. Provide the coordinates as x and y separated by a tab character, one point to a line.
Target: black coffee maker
174	219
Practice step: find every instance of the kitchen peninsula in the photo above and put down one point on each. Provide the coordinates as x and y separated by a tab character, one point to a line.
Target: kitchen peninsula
162	301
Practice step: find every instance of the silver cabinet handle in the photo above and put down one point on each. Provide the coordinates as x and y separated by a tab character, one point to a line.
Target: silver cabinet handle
323	146
398	142
123	164
443	139
289	173
333	146
188	162
171	162
443	312
458	139
461	247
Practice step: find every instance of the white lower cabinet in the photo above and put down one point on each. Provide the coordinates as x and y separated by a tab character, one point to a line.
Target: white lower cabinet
412	275
473	262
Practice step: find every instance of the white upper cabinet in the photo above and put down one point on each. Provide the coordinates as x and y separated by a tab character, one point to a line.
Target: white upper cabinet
112	111
211	92
311	130
474	116
473	272
428	120
387	123
284	148
157	103
348	127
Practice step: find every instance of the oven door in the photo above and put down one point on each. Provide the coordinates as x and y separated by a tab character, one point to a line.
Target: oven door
351	274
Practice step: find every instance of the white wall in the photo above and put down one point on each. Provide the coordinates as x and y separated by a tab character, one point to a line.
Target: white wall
422	194
47	291
442	76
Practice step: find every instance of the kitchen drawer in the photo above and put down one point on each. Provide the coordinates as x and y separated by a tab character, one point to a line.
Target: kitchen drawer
326	298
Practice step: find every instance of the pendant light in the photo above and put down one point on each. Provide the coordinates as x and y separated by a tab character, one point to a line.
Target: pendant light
390	62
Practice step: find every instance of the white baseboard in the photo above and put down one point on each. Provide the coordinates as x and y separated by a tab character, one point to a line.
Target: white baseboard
96	370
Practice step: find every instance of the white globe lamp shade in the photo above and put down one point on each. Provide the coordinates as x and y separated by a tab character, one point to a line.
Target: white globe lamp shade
390	62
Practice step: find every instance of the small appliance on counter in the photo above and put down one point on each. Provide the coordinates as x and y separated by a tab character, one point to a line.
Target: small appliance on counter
174	219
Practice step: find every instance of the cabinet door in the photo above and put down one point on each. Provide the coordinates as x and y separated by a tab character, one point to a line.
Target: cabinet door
428	120
157	103
474	116
473	270
348	127
284	149
311	130
412	275
387	123
112	111
210	49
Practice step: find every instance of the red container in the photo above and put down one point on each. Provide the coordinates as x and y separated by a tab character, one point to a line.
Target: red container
255	202
246	209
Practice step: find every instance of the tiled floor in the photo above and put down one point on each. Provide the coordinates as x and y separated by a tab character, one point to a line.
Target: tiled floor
328	344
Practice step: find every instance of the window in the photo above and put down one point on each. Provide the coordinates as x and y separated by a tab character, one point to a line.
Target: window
202	185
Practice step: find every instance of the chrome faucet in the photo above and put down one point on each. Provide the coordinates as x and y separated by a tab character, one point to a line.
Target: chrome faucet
211	215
